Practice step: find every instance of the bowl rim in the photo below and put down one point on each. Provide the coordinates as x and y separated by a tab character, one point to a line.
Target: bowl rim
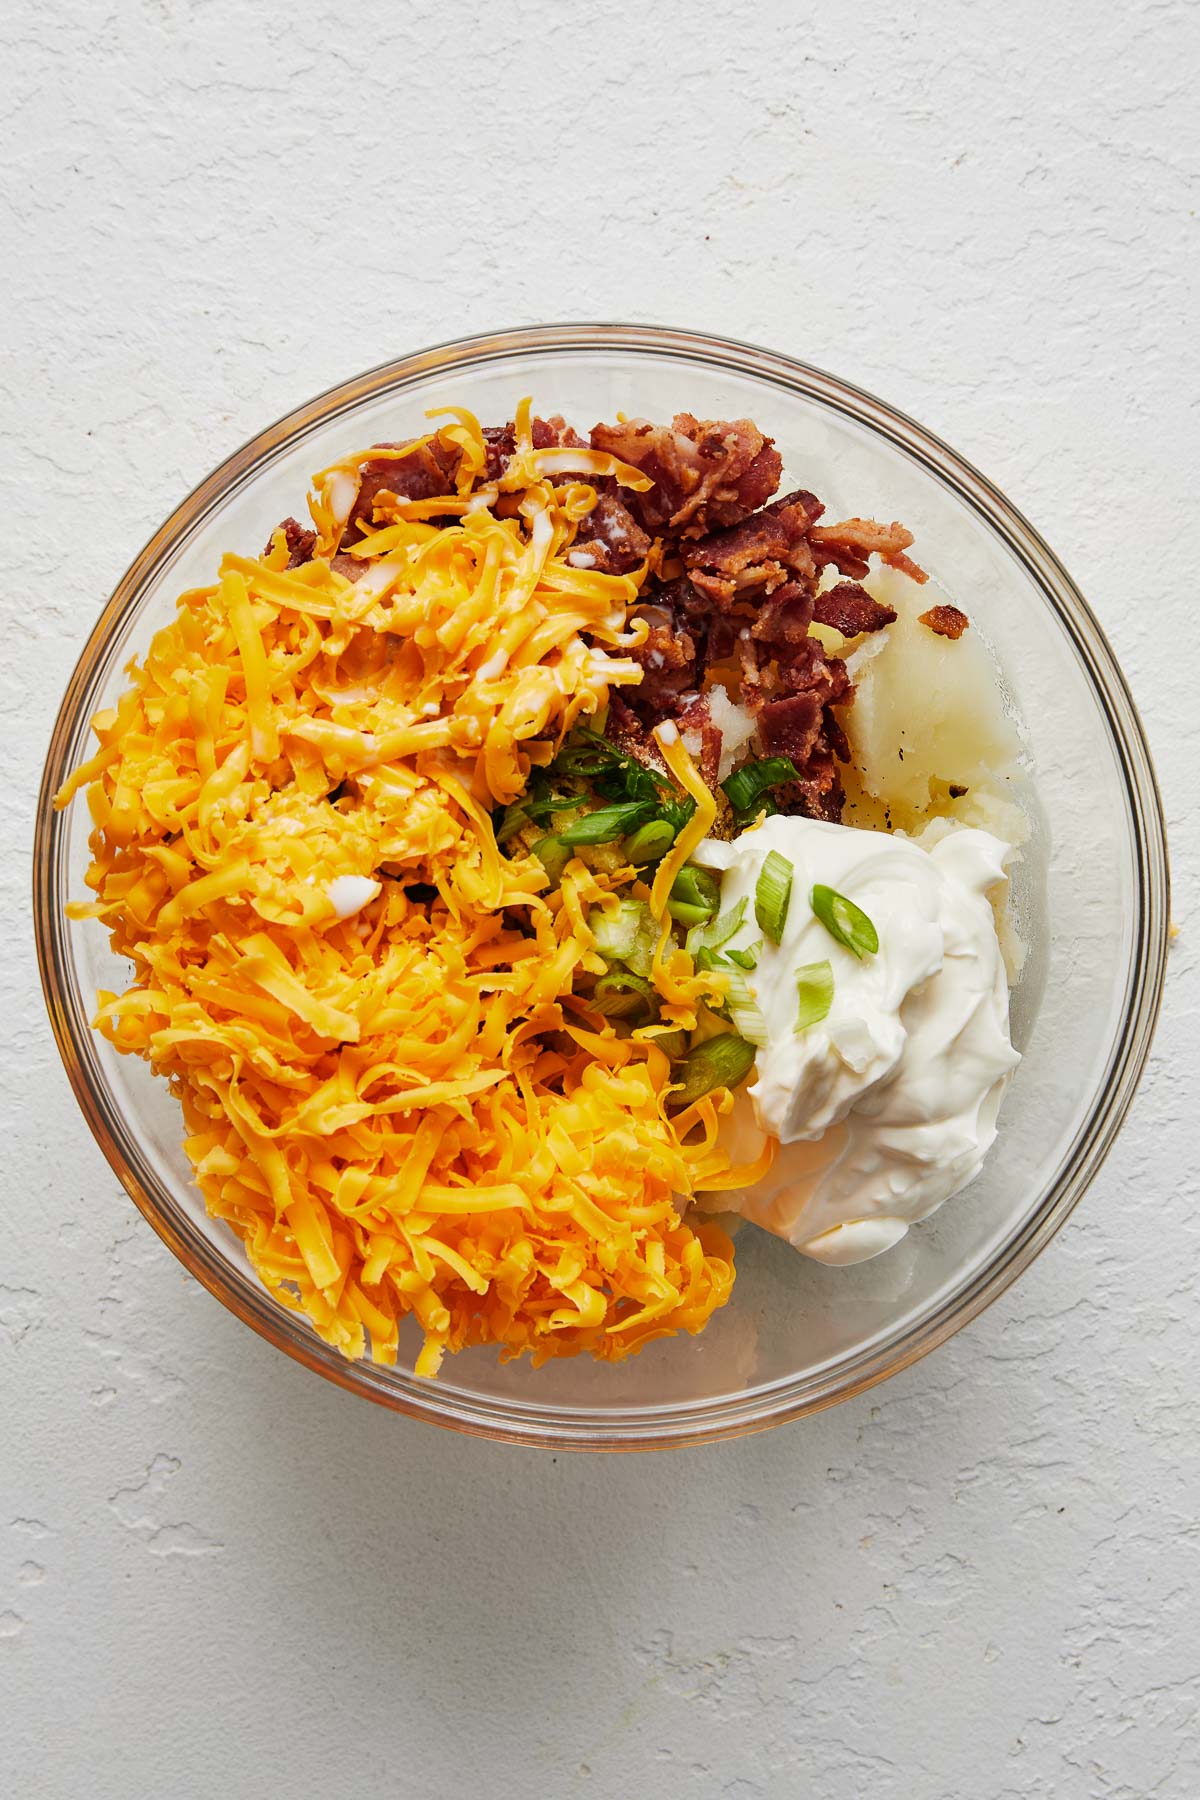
675	1423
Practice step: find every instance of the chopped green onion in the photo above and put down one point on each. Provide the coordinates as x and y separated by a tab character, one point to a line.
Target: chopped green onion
746	786
744	1009
683	914
677	812
711	937
718	1062
694	897
628	937
534	809
772	893
844	921
649	842
748	958
553	855
673	1043
623	995
512	820
607	823
815	982
614	774
740	1002
588	755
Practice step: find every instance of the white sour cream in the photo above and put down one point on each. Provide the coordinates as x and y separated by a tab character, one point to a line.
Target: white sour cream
888	1106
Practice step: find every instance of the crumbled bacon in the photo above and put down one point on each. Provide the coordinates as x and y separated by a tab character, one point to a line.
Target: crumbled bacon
300	543
624	729
695	718
349	566
737	582
547	434
426	471
756	554
771	670
668	658
706	473
785	617
609	539
947	621
850	544
851	610
819	793
791	727
835	735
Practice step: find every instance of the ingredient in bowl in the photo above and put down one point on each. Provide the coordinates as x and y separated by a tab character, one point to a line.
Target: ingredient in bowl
883	1077
392	1091
411	828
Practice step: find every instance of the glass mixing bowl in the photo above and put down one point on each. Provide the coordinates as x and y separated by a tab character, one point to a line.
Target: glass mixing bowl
1091	895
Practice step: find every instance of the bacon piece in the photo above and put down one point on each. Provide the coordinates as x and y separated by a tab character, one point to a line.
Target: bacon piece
706	473
689	614
624	729
818	794
851	610
547	434
835	734
668	657
695	717
349	566
947	621
852	542
426	471
772	670
816	672
610	536
786	617
300	543
791	727
757	553
793	684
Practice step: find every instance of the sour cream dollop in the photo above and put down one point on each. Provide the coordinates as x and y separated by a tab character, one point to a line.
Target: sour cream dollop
886	1107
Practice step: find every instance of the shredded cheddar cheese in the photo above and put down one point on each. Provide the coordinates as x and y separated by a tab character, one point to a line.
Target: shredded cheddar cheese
399	1102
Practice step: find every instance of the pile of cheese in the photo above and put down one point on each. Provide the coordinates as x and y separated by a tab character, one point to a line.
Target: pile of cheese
391	1092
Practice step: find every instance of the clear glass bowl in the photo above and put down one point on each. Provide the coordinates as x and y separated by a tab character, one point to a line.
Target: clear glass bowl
1092	897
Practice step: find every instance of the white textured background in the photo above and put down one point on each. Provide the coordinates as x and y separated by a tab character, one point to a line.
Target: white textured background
220	1577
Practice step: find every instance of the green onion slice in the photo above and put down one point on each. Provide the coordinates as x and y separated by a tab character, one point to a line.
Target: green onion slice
628	937
534	809
844	921
688	915
553	855
711	937
694	897
677	813
772	893
748	958
512	819
589	756
649	842
721	1061
672	1043
746	786
623	995
744	1009
607	823
815	982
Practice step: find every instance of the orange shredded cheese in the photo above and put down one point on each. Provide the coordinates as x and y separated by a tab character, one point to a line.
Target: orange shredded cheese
398	1104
